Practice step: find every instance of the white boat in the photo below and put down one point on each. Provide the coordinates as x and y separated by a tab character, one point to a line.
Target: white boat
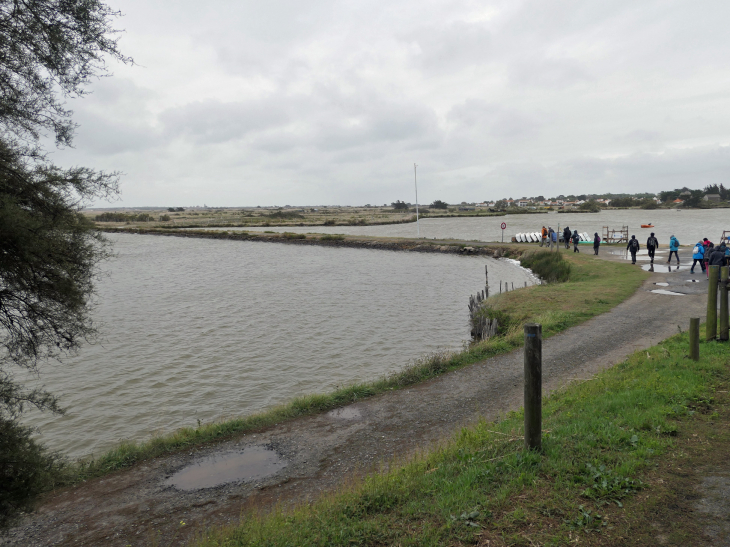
536	235
518	237
588	238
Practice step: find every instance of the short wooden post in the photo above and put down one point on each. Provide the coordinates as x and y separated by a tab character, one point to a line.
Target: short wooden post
711	324
533	386
723	335
694	338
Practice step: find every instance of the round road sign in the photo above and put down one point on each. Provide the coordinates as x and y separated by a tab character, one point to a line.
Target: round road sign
504	225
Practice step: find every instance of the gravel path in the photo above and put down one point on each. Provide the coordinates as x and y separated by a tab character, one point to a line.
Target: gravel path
137	507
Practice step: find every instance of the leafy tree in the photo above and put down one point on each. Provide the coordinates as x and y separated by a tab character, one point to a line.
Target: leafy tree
48	250
438	204
590	206
399	205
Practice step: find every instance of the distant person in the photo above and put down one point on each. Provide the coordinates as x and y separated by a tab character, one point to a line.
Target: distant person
698	255
633	248
566	237
673	248
576	239
652	244
553	239
596	243
727	253
544	234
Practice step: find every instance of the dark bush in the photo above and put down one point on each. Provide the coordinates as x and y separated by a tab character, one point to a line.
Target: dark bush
549	266
26	470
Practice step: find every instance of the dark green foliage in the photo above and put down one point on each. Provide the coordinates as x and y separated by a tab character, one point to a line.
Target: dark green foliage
332	237
485	311
329	222
438	204
285	215
549	266
26	470
48	250
50	45
176	209
590	206
398	205
650	204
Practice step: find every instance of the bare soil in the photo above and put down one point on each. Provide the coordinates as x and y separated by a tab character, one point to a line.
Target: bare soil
137	507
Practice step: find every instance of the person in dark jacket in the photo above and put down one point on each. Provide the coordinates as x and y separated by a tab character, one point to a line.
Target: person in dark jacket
566	237
717	256
596	243
633	248
652	244
576	239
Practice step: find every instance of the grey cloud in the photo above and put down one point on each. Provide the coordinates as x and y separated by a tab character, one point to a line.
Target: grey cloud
493	119
450	47
211	122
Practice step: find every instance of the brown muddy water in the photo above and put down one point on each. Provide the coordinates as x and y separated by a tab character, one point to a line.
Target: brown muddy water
196	329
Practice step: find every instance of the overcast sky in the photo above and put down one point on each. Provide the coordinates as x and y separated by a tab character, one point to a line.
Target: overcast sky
279	102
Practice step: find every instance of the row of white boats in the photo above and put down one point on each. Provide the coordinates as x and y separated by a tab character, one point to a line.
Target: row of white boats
534	237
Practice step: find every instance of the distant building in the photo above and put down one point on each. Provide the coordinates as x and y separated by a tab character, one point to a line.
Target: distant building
712	197
523	203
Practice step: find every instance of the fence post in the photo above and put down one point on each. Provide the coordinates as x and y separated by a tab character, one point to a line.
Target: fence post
711	325
694	338
533	386
723	303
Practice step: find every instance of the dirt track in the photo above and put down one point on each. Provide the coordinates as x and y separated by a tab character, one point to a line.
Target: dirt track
134	506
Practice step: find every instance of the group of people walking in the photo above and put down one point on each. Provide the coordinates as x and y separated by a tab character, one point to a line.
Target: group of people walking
550	237
705	252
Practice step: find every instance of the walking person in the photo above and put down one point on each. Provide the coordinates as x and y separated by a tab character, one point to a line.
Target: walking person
543	236
566	237
576	239
673	248
652	244
596	243
717	256
633	248
553	239
698	255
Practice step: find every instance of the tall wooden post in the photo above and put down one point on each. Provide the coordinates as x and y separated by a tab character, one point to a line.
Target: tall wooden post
533	386
723	303
711	324
694	338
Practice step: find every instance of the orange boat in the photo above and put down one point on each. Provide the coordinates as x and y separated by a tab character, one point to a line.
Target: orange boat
647	225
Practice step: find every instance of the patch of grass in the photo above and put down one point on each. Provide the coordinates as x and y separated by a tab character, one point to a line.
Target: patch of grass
549	266
332	237
557	307
602	440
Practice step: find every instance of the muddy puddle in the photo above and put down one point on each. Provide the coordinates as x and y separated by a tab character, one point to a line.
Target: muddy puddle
255	462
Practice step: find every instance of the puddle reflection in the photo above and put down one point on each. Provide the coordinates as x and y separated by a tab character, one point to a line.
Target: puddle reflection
255	462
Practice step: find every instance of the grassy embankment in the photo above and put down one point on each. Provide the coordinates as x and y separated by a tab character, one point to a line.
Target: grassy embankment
595	287
608	446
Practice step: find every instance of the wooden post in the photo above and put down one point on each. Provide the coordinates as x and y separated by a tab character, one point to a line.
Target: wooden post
723	303
533	386
694	338
711	324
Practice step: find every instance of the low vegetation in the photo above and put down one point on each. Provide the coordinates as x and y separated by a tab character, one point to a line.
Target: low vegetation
551	267
557	307
603	442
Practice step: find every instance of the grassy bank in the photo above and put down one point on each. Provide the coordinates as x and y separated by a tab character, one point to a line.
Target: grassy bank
604	441
595	287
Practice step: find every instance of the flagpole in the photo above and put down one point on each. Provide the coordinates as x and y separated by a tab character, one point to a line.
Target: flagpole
415	180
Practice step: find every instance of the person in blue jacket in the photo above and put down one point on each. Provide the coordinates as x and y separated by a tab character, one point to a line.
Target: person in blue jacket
673	248
698	255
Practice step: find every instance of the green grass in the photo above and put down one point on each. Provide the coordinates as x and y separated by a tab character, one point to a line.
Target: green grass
332	237
600	439
550	266
596	286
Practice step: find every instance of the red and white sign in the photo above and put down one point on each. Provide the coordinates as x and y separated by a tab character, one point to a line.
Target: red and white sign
504	225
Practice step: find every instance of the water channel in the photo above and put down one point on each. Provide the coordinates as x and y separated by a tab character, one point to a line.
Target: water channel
197	329
688	225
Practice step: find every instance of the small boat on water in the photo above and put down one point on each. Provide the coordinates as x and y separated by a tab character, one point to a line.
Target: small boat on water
647	225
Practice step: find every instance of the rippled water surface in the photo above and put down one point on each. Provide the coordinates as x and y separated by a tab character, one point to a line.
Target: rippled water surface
688	225
199	329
